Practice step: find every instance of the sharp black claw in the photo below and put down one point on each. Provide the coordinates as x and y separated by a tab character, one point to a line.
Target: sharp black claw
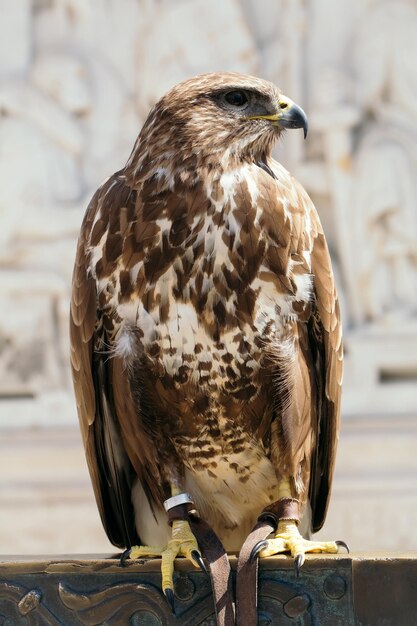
196	556
125	555
342	543
257	548
298	563
169	594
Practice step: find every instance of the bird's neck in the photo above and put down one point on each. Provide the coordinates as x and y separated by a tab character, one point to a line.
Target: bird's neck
183	172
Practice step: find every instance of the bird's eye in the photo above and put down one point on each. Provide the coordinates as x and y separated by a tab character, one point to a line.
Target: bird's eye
236	99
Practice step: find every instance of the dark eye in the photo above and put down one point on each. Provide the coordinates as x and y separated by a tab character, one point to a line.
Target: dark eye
236	98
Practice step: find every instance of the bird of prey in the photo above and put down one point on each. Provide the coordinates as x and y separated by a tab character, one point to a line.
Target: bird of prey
205	333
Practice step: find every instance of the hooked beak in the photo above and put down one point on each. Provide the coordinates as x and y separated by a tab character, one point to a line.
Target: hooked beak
289	115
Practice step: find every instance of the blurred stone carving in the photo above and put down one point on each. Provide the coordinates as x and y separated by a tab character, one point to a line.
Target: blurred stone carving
368	125
385	191
46	172
188	38
41	143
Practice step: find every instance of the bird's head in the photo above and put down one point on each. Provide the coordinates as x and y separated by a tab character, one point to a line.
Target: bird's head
220	116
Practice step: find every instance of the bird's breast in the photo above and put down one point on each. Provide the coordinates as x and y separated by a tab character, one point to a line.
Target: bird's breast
209	334
201	296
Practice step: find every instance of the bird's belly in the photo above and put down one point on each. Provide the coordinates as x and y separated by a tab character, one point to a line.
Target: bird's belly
217	400
227	503
231	496
213	391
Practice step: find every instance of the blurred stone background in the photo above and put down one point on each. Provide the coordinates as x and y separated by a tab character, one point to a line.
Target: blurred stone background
77	78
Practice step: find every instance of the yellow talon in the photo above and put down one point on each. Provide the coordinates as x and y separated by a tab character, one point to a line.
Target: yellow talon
182	543
288	539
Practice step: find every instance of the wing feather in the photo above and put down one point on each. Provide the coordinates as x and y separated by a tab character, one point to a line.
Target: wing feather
117	448
325	340
310	426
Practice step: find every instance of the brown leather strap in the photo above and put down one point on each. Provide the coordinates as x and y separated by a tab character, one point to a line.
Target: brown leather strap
287	508
247	574
220	572
179	512
247	570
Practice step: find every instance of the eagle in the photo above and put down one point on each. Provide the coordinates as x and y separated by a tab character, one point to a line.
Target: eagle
206	342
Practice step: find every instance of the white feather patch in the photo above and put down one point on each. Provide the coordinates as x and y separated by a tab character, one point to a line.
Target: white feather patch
152	532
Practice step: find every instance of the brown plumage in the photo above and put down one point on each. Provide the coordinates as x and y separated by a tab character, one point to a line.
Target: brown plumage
205	330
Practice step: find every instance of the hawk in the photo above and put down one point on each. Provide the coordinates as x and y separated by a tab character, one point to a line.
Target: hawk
205	333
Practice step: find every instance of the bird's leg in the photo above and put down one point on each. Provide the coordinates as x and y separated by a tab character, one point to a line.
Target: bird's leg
287	536
182	543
